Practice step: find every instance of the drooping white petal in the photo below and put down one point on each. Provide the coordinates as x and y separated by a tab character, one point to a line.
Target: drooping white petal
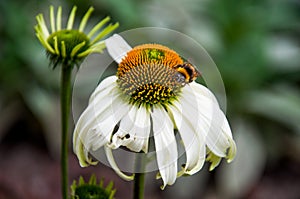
117	47
122	137
216	140
106	84
203	91
212	119
213	159
231	152
186	120
83	156
96	137
114	165
99	120
96	124
165	145
134	130
87	119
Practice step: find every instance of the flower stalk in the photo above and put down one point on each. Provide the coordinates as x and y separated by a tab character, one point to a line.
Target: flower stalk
65	101
139	177
139	186
67	47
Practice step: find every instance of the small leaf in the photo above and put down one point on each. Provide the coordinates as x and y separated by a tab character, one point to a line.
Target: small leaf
81	181
109	186
93	180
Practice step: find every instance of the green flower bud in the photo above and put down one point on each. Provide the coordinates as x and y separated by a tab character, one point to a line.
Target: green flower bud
91	189
69	46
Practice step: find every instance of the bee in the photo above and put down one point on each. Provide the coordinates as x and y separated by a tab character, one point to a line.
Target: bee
187	71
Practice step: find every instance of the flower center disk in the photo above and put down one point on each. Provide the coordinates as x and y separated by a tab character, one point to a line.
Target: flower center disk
147	75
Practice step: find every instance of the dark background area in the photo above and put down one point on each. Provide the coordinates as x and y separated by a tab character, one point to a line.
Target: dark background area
254	43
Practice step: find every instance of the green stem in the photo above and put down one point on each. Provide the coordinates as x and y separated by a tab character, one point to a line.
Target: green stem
139	178
139	187
65	103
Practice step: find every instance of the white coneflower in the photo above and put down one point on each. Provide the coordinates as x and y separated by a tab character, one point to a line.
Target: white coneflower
67	45
153	91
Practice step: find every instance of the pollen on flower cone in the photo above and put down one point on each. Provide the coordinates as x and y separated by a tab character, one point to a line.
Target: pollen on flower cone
148	54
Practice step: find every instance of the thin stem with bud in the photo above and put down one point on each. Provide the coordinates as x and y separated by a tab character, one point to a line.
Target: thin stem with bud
65	99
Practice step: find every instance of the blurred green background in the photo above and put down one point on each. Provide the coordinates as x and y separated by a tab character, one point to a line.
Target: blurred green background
254	43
